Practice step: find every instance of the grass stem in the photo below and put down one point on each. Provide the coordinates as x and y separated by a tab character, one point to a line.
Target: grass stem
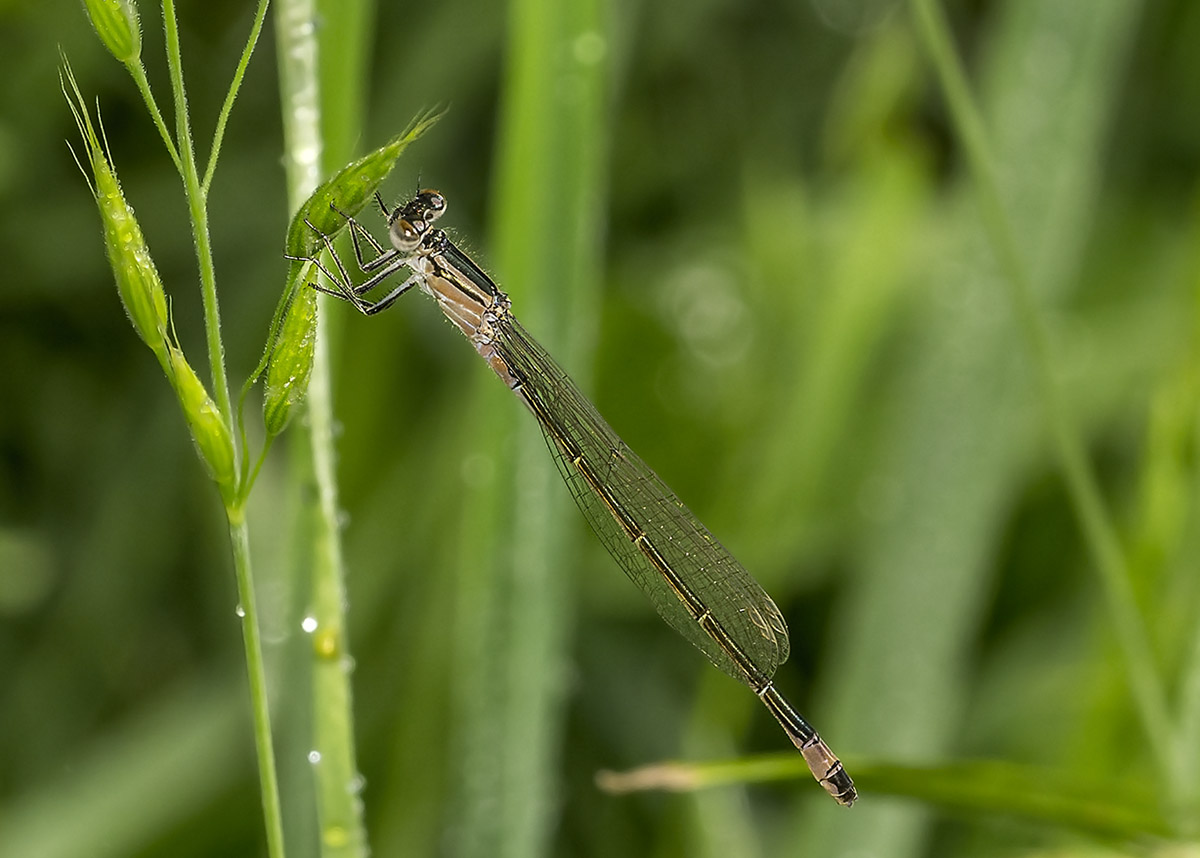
1098	531
339	809
231	95
239	536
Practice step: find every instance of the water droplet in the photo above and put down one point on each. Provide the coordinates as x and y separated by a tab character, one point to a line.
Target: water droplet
314	757
325	644
356	785
589	48
335	836
239	610
309	624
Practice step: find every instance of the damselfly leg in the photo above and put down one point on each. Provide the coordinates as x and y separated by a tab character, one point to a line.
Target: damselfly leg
344	288
382	256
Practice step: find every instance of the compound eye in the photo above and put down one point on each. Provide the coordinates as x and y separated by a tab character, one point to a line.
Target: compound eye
433	203
405	235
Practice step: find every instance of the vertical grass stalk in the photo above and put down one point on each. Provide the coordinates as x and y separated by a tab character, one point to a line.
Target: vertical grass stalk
239	535
198	209
1098	531
334	767
546	215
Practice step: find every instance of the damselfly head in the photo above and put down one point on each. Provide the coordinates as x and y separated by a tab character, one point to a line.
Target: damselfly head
406	234
410	222
432	204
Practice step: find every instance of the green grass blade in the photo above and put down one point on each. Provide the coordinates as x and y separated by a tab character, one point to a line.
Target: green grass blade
986	788
546	206
1094	518
958	432
331	751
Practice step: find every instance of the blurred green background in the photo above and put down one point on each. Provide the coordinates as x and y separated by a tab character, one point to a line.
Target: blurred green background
794	315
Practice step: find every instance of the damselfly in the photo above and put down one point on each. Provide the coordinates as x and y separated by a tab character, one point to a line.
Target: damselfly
696	585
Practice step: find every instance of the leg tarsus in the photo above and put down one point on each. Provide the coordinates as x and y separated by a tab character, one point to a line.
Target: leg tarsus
382	256
344	289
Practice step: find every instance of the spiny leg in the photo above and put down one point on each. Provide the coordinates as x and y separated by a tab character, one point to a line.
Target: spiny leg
382	256
369	308
345	289
344	282
382	207
387	300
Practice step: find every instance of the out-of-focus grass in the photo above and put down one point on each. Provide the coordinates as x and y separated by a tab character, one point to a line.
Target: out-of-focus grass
966	408
798	325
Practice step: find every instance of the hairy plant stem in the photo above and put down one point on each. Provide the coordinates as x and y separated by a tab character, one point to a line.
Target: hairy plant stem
197	198
139	78
239	535
198	209
231	95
